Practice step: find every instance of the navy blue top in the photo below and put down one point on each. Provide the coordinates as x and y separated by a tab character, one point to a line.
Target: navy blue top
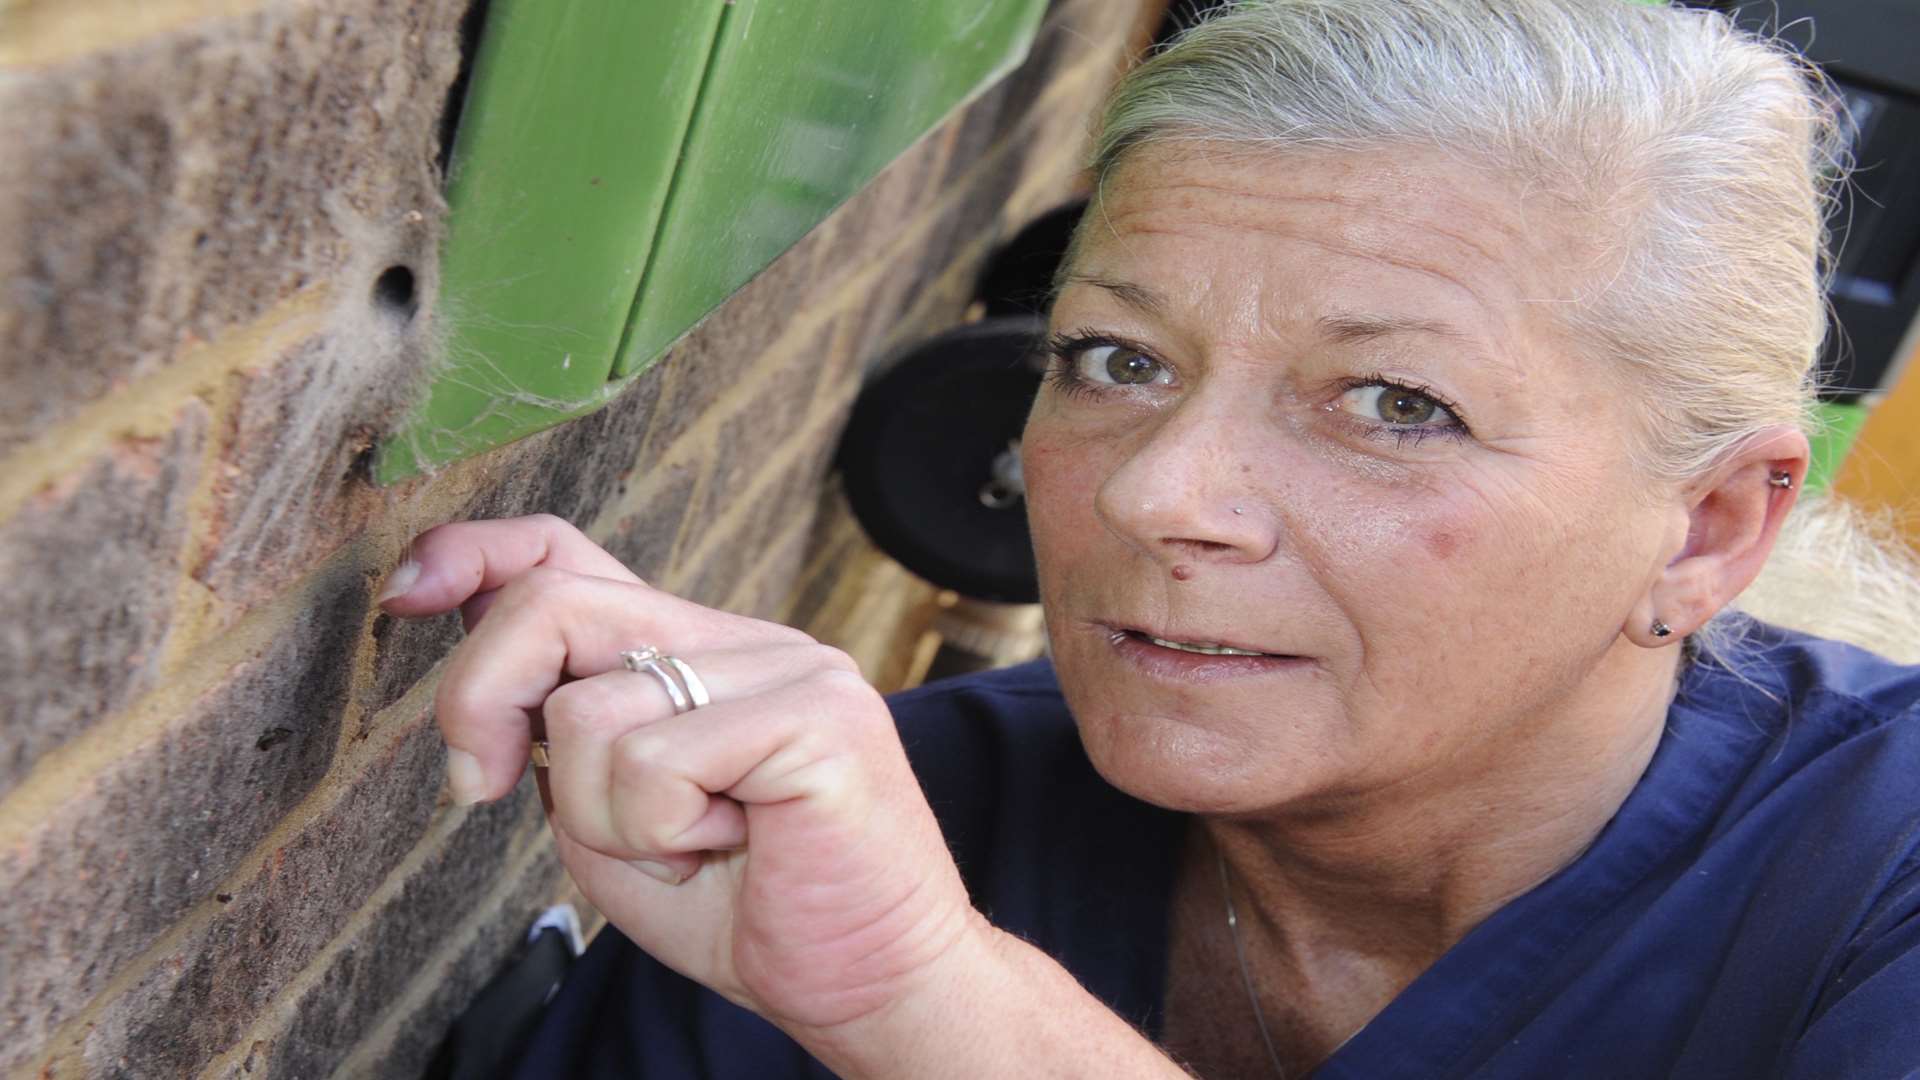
1753	910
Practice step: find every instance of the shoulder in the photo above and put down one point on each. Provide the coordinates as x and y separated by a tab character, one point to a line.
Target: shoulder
1818	721
1804	697
1816	674
1817	843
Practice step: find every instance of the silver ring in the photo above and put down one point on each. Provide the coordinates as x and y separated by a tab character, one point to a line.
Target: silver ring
683	687
696	689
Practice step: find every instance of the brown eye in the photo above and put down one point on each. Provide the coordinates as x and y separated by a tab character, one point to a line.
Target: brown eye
1114	365
1405	407
1130	368
1396	406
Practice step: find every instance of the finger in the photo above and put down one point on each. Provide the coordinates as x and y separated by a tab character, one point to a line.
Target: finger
476	607
586	720
587	864
448	565
548	624
673	781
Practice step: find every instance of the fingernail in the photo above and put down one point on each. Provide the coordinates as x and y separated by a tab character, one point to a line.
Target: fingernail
464	777
400	581
658	871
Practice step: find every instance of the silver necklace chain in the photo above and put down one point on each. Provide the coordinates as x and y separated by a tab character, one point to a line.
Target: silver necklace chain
1246	978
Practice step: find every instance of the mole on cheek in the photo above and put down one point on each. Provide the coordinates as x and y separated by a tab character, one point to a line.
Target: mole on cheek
1182	572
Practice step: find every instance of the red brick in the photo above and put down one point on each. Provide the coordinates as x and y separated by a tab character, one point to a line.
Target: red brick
88	572
291	488
156	193
194	1002
793	497
573	471
365	981
644	539
152	835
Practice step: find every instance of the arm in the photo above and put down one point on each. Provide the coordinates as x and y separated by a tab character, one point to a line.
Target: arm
772	845
1013	1011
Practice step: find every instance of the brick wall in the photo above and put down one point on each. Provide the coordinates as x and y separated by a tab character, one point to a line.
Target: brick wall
225	847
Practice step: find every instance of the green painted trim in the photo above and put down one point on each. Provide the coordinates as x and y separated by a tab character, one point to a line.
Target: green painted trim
622	167
805	103
1839	427
567	144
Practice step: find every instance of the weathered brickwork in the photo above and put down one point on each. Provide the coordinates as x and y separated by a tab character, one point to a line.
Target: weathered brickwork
225	848
70	655
173	188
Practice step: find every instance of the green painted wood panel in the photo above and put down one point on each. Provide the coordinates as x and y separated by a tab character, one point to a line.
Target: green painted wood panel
568	139
622	167
805	101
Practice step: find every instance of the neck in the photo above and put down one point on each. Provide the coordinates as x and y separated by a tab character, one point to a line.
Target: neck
1392	878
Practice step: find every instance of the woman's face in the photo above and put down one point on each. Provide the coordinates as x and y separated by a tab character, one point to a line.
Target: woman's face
1316	408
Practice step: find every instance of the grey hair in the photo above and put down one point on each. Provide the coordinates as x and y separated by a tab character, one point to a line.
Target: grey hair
1707	157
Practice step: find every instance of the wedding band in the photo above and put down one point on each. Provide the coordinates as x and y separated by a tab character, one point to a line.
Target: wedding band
539	754
696	689
683	687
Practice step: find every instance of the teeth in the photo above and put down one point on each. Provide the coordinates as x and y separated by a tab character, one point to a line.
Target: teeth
1207	649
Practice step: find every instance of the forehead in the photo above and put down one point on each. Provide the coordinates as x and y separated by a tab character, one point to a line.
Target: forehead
1276	237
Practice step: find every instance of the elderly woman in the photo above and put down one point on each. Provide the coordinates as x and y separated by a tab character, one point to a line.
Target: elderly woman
1427	382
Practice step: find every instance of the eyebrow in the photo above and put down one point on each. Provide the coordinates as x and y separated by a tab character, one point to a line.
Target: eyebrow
1345	328
1356	328
1134	296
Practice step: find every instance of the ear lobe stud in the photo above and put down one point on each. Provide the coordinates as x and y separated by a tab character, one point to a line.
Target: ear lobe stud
1661	629
1780	478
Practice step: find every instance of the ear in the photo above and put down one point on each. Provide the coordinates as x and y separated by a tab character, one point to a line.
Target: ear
1734	514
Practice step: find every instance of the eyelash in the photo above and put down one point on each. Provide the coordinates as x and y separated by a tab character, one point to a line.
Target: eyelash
1062	347
1401	433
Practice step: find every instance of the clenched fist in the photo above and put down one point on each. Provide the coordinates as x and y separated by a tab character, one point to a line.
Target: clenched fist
772	845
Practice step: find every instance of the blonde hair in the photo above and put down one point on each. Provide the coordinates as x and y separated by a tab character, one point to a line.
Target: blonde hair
1708	155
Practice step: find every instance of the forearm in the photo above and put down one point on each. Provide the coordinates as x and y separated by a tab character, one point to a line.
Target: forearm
1002	1008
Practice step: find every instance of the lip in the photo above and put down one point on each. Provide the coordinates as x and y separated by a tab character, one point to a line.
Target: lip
1129	644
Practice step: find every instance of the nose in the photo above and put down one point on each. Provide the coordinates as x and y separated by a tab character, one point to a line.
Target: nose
1191	489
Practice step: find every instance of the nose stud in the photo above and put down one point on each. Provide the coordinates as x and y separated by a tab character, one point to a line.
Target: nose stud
1238	510
1781	479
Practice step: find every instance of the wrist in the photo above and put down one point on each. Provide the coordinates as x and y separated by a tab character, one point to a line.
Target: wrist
990	1005
924	1010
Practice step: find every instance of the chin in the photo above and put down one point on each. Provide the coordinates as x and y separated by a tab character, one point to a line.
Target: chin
1185	762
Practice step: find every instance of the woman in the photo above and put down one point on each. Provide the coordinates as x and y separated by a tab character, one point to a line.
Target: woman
1427	383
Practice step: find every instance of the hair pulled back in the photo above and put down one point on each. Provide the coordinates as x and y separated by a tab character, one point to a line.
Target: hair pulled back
1705	156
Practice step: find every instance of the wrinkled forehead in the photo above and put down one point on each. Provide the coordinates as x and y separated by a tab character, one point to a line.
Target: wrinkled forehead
1234	228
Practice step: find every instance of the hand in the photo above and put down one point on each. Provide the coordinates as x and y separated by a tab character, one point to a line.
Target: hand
772	845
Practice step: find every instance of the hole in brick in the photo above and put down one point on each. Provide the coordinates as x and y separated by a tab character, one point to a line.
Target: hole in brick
359	467
393	291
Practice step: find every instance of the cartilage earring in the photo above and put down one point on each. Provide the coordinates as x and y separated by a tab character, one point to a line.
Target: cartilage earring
1781	479
1661	629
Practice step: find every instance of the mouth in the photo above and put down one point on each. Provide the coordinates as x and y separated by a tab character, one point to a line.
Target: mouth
1203	648
1181	660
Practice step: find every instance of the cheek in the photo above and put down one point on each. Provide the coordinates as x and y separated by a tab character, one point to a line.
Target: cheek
1062	475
